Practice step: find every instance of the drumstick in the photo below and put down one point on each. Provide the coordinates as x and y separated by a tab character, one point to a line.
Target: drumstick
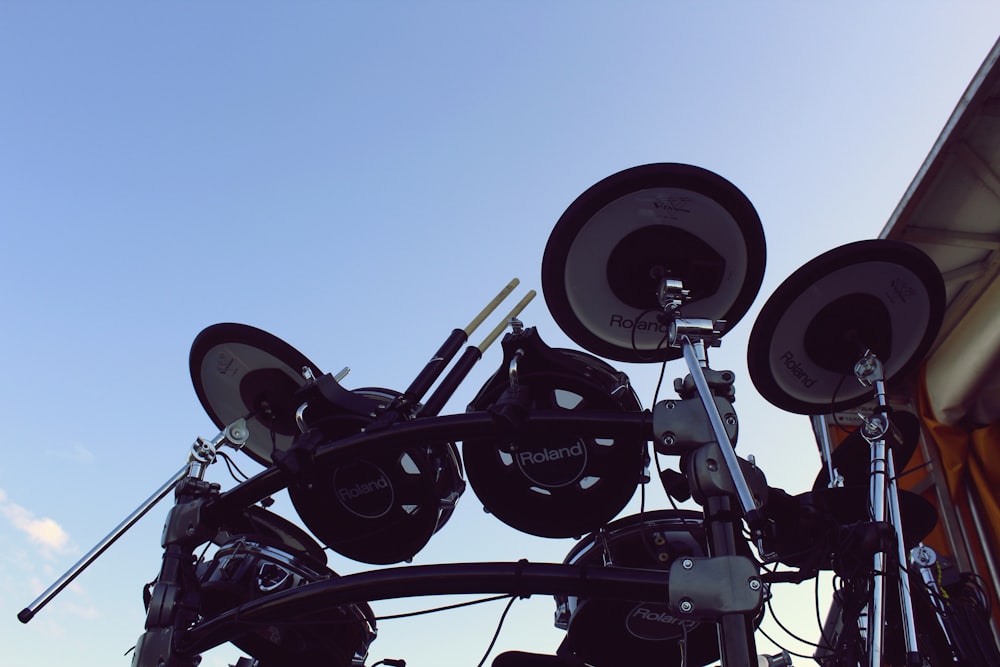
491	306
468	359
449	349
498	329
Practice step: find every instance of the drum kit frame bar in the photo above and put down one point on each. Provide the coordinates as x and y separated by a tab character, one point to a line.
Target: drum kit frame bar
702	588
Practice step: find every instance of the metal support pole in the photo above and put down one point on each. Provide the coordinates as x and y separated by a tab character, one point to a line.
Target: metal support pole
736	642
905	594
29	612
743	492
876	607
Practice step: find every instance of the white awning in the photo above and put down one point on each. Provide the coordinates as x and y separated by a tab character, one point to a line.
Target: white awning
951	211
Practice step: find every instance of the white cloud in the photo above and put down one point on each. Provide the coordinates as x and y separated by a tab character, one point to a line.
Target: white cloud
44	533
89	612
72	452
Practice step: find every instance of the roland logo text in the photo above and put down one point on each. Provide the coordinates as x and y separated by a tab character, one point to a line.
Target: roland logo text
546	455
623	322
363	489
794	367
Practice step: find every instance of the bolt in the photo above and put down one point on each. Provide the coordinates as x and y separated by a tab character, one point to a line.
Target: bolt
755	584
712	465
687	563
731	419
686	606
669	439
923	556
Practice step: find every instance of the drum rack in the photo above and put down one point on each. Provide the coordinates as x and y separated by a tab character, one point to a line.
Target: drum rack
680	258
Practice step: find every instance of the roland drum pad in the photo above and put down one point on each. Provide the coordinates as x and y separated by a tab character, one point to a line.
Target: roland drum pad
239	371
609	252
878	295
611	633
378	505
561	484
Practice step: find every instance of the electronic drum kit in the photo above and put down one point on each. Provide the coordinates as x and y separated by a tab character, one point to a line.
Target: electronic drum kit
651	264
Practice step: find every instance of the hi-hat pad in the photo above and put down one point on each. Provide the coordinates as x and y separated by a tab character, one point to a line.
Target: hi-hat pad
239	371
878	295
555	484
609	252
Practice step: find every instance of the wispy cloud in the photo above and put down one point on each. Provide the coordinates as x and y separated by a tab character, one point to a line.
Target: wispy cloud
88	611
72	452
44	533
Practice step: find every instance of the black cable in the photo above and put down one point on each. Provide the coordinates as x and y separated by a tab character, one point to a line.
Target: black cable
635	348
434	610
913	469
231	466
496	634
797	655
819	621
670	498
642	504
204	551
659	382
788	632
833	401
684	644
271	431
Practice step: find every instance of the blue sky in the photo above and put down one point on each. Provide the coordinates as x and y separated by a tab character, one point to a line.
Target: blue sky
359	179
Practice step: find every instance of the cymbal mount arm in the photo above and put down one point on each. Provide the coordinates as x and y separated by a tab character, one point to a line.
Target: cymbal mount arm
202	454
695	357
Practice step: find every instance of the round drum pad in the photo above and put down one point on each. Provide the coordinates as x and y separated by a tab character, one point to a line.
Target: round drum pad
610	633
382	505
555	486
608	253
879	295
239	371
